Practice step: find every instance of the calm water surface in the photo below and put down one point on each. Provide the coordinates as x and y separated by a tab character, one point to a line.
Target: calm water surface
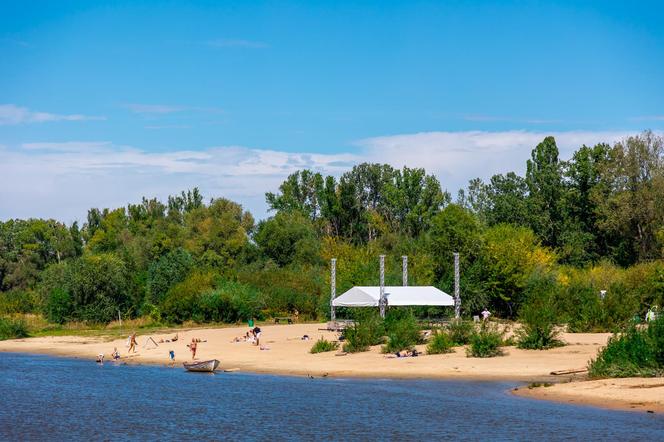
45	398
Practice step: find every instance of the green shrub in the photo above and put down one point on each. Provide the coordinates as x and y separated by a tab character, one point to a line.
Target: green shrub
486	343
367	330
229	302
182	300
461	331
538	317
636	352
17	301
402	331
440	343
323	345
13	329
59	306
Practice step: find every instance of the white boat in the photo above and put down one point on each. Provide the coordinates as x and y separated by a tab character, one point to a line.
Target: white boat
202	366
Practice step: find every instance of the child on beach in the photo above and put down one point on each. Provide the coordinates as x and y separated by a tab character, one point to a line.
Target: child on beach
171	356
115	355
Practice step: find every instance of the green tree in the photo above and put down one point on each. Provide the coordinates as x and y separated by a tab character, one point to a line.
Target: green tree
545	191
288	237
166	272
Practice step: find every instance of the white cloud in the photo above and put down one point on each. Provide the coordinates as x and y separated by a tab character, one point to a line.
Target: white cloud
63	180
456	157
154	108
11	115
237	43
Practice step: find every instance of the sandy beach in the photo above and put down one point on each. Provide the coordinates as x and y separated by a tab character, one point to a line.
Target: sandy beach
288	354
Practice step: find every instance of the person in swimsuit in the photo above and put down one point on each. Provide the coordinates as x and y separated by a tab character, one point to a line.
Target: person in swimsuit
193	347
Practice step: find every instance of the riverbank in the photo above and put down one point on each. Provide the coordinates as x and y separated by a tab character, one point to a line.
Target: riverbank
288	354
642	394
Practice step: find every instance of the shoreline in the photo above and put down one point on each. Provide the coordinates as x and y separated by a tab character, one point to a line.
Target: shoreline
288	355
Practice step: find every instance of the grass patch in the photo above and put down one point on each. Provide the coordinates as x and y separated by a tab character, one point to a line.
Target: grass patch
11	328
440	343
368	329
461	332
636	352
323	345
402	331
486	343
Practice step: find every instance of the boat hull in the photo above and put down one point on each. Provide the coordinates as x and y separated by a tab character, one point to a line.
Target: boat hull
203	366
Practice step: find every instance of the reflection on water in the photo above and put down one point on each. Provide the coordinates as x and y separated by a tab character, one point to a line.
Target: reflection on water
45	398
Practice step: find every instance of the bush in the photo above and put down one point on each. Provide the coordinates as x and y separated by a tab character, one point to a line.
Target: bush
633	353
323	345
59	306
461	331
402	331
229	302
13	329
538	317
182	300
486	343
440	343
367	330
17	301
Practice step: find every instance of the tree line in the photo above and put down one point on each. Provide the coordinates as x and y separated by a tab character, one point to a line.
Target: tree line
564	231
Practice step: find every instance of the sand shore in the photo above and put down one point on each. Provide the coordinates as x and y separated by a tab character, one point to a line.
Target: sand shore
289	354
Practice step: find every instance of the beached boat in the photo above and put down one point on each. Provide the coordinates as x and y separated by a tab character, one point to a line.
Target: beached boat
202	366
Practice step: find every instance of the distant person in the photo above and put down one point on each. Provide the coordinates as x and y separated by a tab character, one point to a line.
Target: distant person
650	316
485	314
171	357
132	343
100	358
193	347
116	354
257	335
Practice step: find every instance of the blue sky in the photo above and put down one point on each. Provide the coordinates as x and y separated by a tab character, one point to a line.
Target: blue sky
103	103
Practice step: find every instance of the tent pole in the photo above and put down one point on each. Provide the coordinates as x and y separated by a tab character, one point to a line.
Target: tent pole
404	265
333	288
457	295
381	301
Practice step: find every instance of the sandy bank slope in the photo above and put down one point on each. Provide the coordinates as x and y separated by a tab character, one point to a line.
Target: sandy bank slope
626	394
289	354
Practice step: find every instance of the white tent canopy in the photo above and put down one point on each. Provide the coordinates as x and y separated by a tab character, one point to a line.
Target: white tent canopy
395	295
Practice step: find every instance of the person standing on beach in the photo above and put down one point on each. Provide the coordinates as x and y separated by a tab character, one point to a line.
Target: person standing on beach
193	347
257	335
485	314
132	343
171	356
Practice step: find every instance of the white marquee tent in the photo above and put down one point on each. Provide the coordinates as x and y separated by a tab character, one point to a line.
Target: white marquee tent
395	296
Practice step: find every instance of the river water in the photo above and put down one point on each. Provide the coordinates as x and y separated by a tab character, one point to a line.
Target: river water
46	398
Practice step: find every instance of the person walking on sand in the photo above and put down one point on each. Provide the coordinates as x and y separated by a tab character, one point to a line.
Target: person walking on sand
193	347
132	343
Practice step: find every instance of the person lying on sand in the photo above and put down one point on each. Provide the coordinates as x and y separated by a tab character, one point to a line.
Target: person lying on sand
264	347
404	354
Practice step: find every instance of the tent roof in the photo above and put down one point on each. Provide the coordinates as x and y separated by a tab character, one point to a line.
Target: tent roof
395	295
